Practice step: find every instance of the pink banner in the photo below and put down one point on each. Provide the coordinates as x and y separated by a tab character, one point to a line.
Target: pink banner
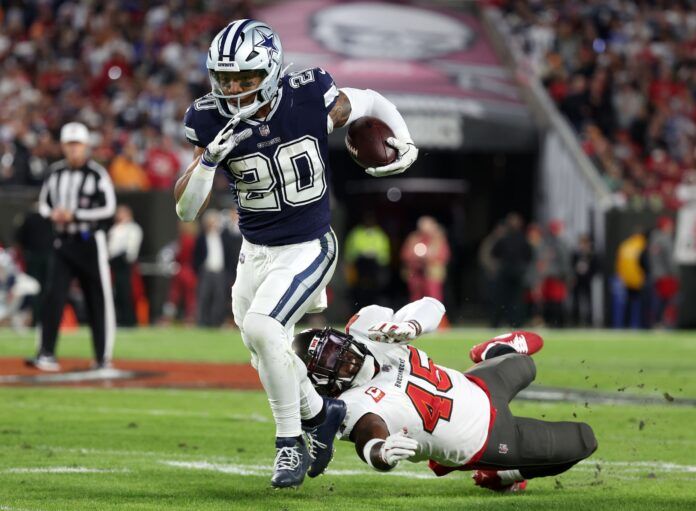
393	48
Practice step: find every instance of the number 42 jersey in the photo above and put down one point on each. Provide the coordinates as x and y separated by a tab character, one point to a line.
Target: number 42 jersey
448	414
279	174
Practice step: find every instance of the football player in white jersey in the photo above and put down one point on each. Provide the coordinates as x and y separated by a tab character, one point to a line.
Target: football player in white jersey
267	132
402	406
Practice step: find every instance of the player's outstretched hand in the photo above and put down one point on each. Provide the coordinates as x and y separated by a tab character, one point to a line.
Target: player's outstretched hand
399	333
407	154
398	447
223	143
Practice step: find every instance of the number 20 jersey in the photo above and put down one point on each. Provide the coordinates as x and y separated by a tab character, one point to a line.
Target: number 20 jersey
280	173
441	408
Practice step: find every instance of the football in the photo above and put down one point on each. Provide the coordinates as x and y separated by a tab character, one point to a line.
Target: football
366	141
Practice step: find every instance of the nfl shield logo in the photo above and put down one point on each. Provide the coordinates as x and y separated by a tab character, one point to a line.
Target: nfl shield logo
264	130
502	448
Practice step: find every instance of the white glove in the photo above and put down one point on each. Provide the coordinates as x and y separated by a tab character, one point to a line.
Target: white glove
223	143
407	154
398	447
399	333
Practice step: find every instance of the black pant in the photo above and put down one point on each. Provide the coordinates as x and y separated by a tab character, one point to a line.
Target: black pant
86	259
123	291
534	447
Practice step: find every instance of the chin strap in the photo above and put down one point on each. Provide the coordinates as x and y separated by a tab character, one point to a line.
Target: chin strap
366	372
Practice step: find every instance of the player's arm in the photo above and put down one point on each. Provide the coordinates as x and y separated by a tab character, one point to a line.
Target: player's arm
355	103
409	322
192	190
376	447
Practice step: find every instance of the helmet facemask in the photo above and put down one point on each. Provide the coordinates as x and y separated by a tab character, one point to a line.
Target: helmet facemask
333	360
218	81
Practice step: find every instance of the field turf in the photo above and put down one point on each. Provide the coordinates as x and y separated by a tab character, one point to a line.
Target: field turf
103	449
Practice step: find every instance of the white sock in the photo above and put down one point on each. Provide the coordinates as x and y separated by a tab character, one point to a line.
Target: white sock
276	367
311	402
510	476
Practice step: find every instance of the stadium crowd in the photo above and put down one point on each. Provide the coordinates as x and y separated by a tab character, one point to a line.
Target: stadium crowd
128	70
624	75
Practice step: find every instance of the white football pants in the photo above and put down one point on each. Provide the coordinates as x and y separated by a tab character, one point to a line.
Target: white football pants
275	287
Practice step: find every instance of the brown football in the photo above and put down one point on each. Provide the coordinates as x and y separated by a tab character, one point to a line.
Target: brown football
366	141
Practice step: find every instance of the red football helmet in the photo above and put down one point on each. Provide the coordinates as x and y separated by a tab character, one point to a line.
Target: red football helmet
333	358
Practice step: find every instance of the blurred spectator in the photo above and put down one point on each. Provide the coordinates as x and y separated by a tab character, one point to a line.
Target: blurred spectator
532	278
555	272
161	163
625	70
514	255
213	258
124	240
34	237
182	287
126	171
632	269
664	271
367	253
16	290
585	267
425	255
490	267
121	68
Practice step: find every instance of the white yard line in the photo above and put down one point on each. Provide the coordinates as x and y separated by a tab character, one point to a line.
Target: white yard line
158	412
63	470
264	470
227	464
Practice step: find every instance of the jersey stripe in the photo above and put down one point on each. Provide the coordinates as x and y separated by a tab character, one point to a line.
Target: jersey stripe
311	277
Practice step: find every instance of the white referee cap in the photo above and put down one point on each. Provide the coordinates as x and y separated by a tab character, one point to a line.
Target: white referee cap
74	132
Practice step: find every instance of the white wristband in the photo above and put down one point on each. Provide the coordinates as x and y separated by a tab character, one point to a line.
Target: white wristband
368	449
196	192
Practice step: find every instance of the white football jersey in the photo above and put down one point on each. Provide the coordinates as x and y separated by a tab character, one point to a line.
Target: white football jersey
441	408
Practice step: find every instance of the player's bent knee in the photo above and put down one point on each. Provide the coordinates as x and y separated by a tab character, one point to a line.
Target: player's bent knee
589	441
262	332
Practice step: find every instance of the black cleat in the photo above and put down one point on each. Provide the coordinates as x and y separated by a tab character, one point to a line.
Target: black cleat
321	438
291	462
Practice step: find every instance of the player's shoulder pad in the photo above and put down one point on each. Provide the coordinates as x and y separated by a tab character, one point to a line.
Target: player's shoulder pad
314	82
197	118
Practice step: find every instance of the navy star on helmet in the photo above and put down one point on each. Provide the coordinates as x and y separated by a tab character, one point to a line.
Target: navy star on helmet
245	45
267	43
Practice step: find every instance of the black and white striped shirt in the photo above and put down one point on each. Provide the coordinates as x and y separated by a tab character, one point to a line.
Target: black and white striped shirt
86	191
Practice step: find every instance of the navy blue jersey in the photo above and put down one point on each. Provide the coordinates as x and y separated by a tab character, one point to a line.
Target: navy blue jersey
280	173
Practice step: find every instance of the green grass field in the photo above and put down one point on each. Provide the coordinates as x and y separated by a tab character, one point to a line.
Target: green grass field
101	449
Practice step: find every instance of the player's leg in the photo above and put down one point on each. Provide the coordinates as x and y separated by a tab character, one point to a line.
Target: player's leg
519	341
60	274
523	448
263	277
95	279
505	375
294	279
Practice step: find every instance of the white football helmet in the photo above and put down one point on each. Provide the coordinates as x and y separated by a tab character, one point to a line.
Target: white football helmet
245	45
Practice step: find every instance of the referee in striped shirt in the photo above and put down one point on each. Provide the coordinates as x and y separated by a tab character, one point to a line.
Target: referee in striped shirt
78	196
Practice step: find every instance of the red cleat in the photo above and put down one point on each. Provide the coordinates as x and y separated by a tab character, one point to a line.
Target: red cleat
491	480
522	342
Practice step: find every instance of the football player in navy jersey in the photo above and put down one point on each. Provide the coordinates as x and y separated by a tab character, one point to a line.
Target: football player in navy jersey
268	132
